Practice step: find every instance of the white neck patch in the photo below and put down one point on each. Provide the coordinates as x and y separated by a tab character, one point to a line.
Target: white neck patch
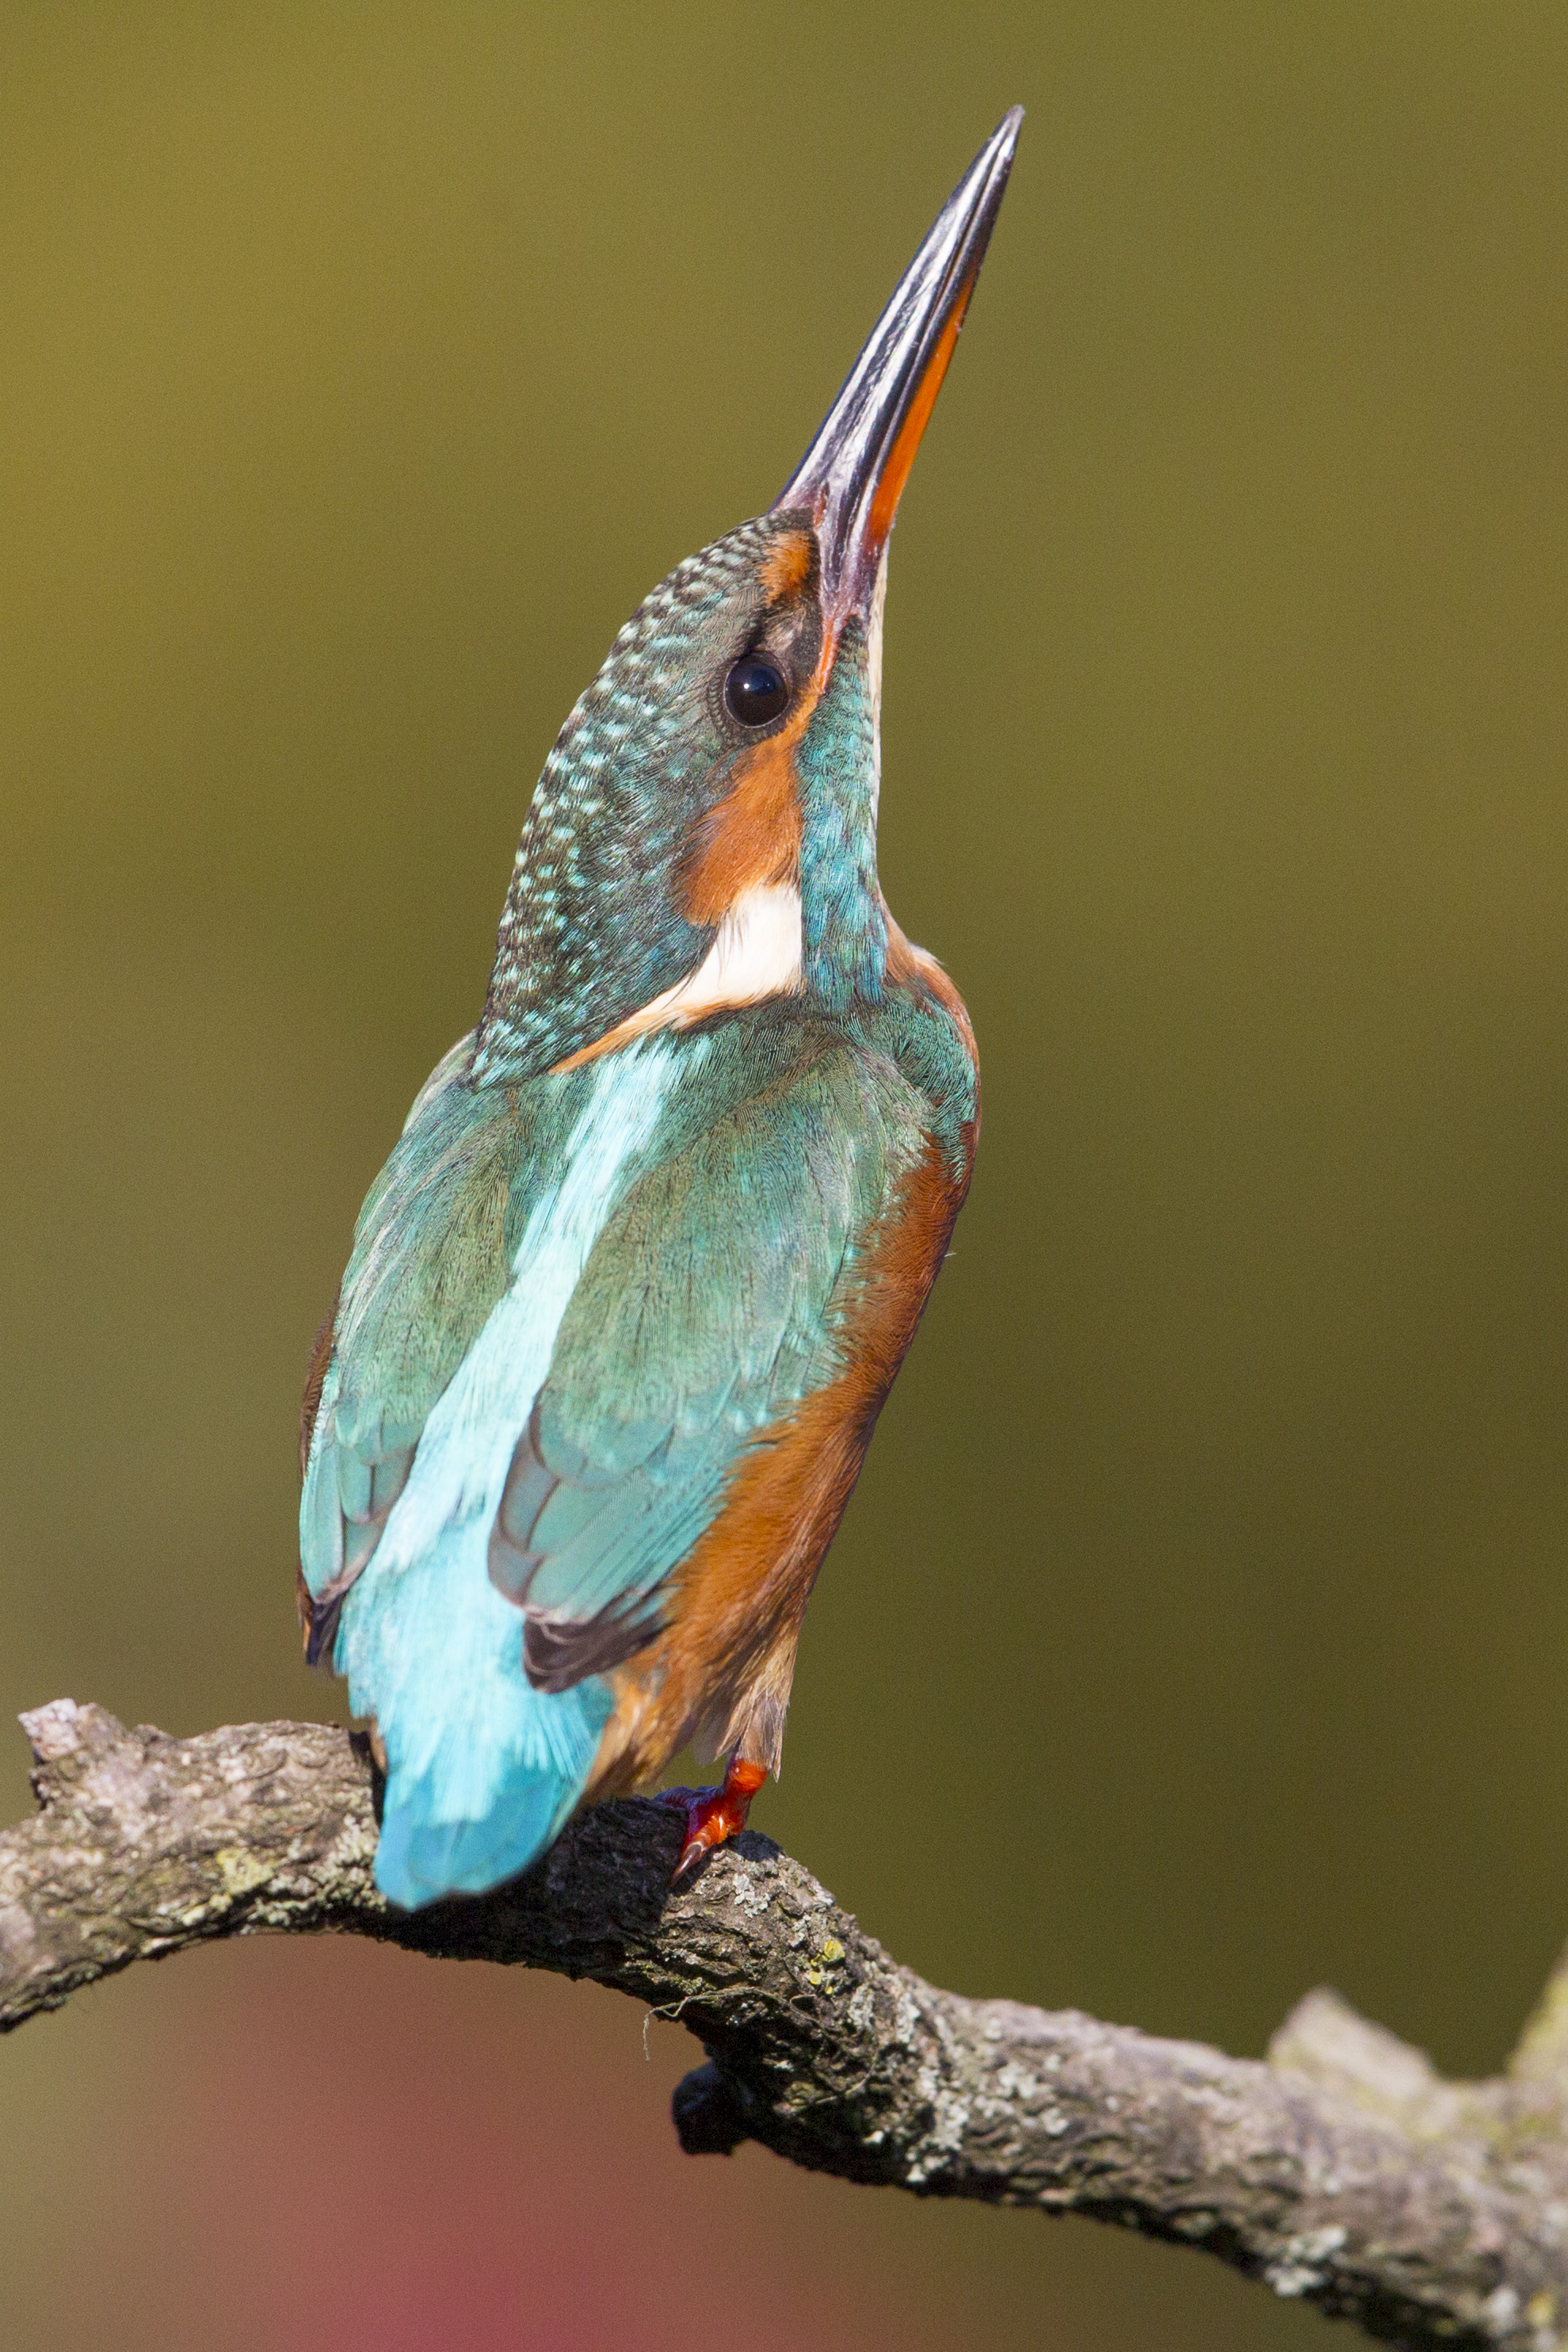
756	952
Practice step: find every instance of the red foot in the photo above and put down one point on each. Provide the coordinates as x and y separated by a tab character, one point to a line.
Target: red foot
713	1814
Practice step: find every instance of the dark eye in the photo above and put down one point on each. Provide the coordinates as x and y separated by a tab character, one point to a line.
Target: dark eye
755	690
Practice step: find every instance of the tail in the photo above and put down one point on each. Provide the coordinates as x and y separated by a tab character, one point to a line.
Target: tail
483	1770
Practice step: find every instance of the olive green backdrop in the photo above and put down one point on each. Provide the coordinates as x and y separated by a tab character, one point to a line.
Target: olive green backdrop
1198	1632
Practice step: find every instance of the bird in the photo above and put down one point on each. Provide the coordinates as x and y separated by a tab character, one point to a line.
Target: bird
626	1299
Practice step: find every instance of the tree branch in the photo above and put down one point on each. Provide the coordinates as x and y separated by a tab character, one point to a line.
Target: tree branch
1343	2170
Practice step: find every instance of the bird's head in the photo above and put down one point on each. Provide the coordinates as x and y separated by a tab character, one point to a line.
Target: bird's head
704	833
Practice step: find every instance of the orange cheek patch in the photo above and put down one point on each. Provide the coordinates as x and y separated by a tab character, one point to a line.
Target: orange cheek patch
788	566
753	838
753	835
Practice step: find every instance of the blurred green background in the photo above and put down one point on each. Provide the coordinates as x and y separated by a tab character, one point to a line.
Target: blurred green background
1197	1634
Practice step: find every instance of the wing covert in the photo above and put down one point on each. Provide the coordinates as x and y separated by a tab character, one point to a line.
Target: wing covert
708	1307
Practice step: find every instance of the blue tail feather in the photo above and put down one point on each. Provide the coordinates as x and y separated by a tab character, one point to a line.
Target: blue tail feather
422	1857
483	1770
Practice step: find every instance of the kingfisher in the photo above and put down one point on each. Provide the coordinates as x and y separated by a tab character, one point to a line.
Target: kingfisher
626	1300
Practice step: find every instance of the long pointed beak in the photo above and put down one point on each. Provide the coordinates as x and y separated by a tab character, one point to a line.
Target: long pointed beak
852	476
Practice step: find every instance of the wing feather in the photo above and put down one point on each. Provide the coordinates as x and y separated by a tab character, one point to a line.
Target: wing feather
429	1263
705	1311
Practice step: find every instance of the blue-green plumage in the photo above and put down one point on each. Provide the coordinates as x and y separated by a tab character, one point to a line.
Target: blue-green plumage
626	1298
843	921
635	1329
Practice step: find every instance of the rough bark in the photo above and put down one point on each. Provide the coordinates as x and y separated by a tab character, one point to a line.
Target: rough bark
1341	2170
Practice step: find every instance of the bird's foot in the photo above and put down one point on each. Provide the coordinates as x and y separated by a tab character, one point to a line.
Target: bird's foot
714	1815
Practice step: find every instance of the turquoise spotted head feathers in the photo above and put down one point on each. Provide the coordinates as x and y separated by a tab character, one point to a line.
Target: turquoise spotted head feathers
606	907
666	810
626	1299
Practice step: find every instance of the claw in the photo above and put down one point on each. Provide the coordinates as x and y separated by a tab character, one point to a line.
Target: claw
714	1815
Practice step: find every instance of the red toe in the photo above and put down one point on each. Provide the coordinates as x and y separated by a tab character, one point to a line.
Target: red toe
714	1815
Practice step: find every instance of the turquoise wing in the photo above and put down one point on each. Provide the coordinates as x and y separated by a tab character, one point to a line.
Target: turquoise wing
706	1312
429	1263
482	1769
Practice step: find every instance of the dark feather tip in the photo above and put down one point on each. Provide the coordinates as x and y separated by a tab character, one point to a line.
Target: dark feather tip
322	1633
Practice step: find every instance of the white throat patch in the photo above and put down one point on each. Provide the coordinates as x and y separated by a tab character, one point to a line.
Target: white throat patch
756	953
